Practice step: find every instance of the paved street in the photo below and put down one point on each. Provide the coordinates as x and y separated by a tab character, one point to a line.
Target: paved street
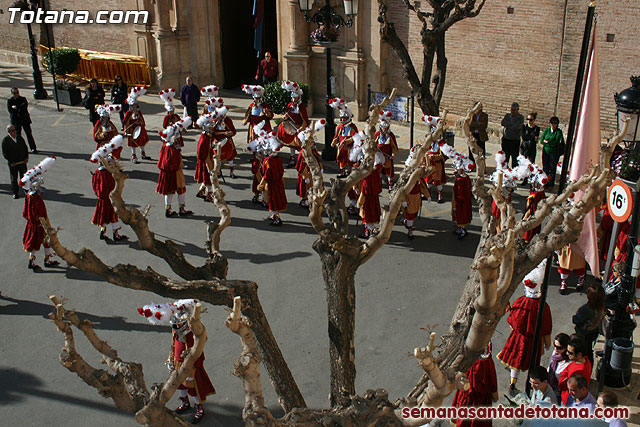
407	285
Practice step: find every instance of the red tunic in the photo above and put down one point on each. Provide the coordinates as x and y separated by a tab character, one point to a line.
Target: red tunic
170	119
304	172
462	200
103	184
101	137
522	319
33	210
130	125
371	189
342	157
203	384
256	167
203	154
228	151
483	383
252	120
273	173
169	163
388	147
583	369
438	177
300	119
414	202
533	200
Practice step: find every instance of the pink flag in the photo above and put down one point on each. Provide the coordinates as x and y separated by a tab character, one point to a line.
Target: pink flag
587	155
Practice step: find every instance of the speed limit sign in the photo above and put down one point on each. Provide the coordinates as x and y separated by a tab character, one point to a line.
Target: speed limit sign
619	201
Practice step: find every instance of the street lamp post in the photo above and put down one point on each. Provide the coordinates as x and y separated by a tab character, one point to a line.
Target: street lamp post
628	107
327	17
39	92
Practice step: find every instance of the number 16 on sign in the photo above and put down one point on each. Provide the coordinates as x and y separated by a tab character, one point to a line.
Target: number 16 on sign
619	201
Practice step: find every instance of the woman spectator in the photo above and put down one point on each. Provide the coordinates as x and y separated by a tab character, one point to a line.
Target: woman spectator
530	134
119	95
94	95
552	142
559	359
588	318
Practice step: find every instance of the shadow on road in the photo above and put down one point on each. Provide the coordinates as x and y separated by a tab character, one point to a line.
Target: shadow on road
22	307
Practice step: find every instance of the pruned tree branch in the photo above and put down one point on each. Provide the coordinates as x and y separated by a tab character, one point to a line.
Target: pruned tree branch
214	291
168	251
247	368
214	230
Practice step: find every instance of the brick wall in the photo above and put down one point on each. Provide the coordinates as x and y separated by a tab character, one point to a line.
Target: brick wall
499	58
102	37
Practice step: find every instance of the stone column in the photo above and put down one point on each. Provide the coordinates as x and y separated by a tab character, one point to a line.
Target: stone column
296	59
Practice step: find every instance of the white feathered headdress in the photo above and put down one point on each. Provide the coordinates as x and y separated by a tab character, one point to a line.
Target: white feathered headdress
33	178
356	154
167	96
106	110
304	133
341	105
206	120
384	119
293	88
460	161
136	92
160	314
532	282
115	143
431	120
213	103
256	91
209	91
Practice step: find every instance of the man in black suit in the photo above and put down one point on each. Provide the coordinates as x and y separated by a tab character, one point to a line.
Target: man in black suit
14	149
18	110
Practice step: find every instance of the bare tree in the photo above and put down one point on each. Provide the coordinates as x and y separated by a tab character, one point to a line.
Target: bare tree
205	283
435	23
502	260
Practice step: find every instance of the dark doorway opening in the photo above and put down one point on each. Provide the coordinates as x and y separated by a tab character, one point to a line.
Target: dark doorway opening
239	58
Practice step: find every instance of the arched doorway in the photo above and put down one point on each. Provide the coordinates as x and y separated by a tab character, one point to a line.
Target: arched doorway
239	58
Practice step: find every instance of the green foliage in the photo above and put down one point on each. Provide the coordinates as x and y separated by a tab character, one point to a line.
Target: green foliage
65	60
278	98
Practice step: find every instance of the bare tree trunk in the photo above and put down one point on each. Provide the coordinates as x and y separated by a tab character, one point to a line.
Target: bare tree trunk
338	271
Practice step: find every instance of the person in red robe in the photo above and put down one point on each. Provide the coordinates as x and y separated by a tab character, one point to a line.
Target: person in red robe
133	119
295	119
343	138
168	95
304	173
483	389
197	384
578	364
204	162
387	145
605	228
257	112
412	204
33	210
223	133
171	178
273	179
461	212
103	184
104	130
435	158
538	180
522	318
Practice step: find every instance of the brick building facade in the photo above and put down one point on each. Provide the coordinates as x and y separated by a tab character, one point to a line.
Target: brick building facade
529	55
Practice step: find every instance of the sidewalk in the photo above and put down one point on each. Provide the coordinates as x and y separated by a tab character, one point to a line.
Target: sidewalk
14	75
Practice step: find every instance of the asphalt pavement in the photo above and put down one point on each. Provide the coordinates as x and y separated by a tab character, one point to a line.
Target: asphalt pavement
409	286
